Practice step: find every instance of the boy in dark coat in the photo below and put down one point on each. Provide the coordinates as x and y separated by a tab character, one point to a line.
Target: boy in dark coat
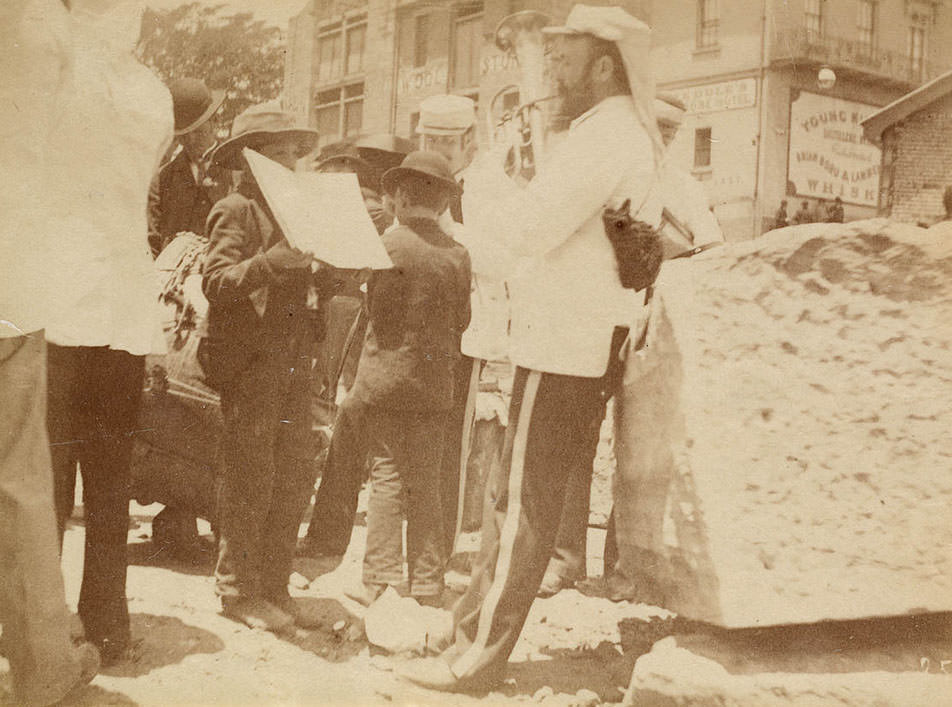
418	311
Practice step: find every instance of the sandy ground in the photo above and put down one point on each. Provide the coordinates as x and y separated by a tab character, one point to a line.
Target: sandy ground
187	653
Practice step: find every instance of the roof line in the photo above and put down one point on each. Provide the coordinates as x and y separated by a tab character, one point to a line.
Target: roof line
906	105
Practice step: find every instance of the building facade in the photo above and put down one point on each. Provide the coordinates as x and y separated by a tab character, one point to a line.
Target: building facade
915	133
760	125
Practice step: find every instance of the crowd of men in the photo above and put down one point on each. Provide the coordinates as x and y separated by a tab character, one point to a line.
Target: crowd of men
485	268
822	212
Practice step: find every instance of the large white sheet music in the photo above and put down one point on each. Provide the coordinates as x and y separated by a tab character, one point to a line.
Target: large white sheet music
321	213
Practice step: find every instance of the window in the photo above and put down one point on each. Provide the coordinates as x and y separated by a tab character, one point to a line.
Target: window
702	148
339	112
329	54
707	23
466	47
420	26
340	49
866	24
917	50
813	19
355	49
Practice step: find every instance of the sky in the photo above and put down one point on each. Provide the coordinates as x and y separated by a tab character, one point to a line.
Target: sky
274	12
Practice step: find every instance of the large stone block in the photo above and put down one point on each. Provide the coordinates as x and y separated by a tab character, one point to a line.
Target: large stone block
783	442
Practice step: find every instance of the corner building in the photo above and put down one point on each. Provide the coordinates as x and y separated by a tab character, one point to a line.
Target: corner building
760	125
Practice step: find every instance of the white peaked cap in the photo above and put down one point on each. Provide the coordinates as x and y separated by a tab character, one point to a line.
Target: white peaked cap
633	39
446	114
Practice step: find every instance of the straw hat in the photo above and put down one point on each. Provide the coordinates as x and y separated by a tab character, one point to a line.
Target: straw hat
262	123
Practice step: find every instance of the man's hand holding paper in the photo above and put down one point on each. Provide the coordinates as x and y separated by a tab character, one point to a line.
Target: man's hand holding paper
282	256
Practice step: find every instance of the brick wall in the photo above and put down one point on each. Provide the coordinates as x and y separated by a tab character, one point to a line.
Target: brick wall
922	166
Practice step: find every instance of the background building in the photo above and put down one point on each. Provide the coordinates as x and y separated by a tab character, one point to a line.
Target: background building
760	127
915	132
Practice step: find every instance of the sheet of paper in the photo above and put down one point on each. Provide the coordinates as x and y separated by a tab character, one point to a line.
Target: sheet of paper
321	213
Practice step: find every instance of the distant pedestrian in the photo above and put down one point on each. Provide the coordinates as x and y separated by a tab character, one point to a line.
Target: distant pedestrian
804	214
780	218
834	212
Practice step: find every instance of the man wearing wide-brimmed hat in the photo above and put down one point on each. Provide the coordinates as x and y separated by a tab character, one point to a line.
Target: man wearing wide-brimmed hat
418	310
570	316
257	353
183	193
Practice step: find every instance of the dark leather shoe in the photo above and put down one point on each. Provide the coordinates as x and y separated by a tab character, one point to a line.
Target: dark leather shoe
303	613
257	613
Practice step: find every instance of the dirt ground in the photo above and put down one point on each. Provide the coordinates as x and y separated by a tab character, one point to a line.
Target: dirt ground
187	653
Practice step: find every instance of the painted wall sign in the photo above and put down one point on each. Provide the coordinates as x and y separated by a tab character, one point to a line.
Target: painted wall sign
828	155
425	79
726	95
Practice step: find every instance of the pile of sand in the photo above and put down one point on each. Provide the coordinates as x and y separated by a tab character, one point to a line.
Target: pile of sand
785	449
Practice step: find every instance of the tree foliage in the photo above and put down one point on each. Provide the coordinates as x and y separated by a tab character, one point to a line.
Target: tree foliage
233	52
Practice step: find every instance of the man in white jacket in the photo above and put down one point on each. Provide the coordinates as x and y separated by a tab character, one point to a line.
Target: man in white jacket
688	223
570	315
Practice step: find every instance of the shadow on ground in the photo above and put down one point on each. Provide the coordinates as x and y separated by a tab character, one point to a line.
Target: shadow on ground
603	670
149	554
165	640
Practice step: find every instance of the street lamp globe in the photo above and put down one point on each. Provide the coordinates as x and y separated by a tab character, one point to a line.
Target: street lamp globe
825	78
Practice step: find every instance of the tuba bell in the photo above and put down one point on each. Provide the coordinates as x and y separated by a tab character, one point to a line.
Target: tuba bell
523	126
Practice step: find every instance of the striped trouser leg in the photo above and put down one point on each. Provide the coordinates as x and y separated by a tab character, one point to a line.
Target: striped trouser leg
553	426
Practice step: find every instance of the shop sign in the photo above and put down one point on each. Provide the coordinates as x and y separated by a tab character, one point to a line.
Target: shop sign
829	156
426	79
726	95
495	61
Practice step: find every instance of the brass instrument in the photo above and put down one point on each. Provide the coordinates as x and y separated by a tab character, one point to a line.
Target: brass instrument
523	126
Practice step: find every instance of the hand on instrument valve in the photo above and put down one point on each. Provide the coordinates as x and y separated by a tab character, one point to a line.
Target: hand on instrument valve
282	256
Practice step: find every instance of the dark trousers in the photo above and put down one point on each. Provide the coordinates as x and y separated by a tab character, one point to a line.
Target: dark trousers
335	504
346	467
456	444
553	431
267	475
93	396
568	560
406	447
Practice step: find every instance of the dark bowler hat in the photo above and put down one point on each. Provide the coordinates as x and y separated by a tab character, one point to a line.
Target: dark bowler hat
384	150
345	152
262	123
432	167
193	104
